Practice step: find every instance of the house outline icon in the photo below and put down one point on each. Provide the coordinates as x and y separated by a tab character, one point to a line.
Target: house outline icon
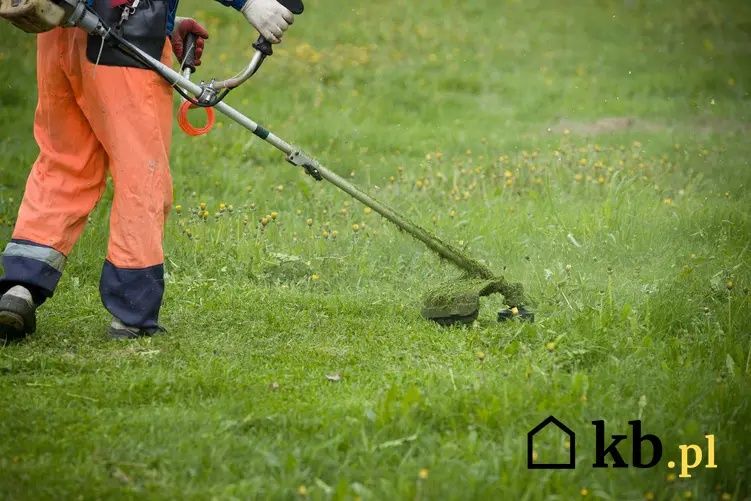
570	465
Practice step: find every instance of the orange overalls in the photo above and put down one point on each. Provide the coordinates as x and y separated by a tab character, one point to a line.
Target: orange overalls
91	120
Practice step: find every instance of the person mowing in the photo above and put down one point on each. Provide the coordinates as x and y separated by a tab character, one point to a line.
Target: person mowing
99	111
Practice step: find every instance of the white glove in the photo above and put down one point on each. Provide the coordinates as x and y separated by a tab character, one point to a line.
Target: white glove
269	17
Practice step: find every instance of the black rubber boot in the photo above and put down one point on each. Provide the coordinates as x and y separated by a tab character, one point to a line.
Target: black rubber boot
17	316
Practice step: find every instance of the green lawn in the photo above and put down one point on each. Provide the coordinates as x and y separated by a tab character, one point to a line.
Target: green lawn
597	151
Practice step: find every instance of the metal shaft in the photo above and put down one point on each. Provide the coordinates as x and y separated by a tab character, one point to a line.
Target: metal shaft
466	263
458	258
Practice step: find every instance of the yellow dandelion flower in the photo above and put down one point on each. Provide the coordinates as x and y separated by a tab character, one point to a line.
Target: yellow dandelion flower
355	227
423	474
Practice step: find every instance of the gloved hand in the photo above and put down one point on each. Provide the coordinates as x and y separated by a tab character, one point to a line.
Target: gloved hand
183	26
269	17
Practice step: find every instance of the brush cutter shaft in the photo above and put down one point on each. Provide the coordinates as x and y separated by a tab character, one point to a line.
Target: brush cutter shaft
446	251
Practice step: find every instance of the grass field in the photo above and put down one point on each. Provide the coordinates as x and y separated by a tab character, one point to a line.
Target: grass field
596	151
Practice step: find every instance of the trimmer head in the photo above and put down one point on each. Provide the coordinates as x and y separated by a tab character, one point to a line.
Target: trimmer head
458	301
460	309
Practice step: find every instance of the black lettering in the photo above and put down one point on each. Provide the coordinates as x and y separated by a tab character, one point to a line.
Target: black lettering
637	439
601	451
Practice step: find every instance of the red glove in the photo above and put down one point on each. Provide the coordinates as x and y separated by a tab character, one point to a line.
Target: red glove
183	26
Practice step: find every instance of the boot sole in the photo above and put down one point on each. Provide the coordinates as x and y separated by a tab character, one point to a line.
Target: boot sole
121	334
17	314
127	334
11	326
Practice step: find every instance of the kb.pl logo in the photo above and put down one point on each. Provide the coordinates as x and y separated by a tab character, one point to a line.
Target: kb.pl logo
646	449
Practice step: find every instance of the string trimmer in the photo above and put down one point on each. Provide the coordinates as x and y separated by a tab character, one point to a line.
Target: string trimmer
457	301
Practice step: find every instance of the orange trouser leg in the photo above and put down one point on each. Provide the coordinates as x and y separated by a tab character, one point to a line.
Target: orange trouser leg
96	116
130	111
65	182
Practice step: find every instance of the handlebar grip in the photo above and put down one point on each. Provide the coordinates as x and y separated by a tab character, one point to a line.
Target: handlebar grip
190	51
263	46
294	6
